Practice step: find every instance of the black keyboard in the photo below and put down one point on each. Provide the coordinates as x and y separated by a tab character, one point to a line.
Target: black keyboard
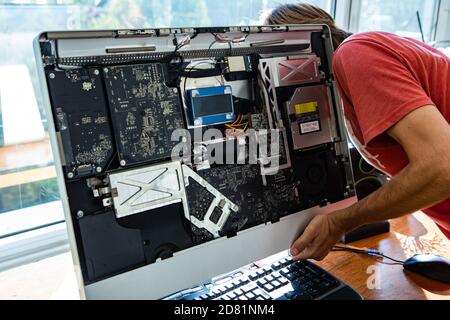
282	280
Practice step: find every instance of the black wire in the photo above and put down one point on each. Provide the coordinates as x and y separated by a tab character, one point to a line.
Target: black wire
211	45
392	259
189	72
372	253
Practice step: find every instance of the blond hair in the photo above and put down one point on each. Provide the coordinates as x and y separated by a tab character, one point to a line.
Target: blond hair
303	13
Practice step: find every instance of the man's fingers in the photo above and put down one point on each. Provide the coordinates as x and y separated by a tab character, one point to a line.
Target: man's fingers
303	242
316	253
306	254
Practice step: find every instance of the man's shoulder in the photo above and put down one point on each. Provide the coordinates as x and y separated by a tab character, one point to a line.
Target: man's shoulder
371	35
365	45
366	39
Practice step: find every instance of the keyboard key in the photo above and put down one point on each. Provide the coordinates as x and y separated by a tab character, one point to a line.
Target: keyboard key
243	298
311	270
247	290
236	283
238	292
284	281
222	290
204	297
328	285
267	269
276	284
269	288
301	296
276	275
269	278
290	277
262	282
277	266
285	271
258	292
229	286
232	296
216	292
244	280
260	273
250	296
253	276
314	292
330	279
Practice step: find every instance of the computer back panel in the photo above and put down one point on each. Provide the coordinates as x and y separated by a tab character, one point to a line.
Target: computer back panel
118	101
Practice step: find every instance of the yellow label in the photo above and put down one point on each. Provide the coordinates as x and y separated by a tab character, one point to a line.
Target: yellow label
304	108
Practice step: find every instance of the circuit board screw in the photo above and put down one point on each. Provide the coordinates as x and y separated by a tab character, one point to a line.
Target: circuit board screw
80	214
70	175
123	163
96	72
52	76
99	169
106	70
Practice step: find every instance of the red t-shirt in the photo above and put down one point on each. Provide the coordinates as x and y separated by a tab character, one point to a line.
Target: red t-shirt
382	78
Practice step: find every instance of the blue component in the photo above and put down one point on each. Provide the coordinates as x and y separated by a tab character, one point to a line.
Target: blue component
210	106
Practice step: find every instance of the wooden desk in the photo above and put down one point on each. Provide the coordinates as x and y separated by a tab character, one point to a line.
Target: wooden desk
409	236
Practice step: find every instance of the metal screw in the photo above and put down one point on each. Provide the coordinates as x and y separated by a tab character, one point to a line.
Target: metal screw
52	76
123	163
106	70
70	175
96	72
80	214
99	169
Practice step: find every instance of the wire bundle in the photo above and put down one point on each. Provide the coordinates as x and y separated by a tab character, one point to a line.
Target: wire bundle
367	251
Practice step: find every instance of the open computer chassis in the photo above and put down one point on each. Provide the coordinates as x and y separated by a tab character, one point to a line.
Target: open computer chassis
115	113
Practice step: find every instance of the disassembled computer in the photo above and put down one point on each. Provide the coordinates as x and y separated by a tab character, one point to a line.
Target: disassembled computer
151	211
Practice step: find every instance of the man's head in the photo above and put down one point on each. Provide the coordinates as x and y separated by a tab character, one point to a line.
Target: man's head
303	13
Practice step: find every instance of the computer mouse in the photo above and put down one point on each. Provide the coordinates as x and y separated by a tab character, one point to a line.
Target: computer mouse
430	266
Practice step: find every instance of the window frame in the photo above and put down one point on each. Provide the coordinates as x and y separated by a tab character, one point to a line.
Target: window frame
354	10
443	22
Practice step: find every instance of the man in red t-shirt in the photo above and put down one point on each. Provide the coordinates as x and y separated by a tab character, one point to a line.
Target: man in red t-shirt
396	98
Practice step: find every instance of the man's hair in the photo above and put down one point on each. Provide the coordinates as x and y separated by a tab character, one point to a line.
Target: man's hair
303	13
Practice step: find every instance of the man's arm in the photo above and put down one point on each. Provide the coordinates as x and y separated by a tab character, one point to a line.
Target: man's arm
425	136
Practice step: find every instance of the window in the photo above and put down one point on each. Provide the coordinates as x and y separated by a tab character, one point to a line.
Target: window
443	29
398	17
28	190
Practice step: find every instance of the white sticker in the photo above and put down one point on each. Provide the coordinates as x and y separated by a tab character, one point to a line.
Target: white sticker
310	127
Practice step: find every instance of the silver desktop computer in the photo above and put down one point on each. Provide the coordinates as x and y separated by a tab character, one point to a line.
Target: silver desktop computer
186	153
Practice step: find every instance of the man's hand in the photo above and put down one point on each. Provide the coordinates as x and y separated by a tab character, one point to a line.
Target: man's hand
425	136
319	238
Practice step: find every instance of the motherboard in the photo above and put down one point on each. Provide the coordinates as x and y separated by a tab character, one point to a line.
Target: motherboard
81	118
145	111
